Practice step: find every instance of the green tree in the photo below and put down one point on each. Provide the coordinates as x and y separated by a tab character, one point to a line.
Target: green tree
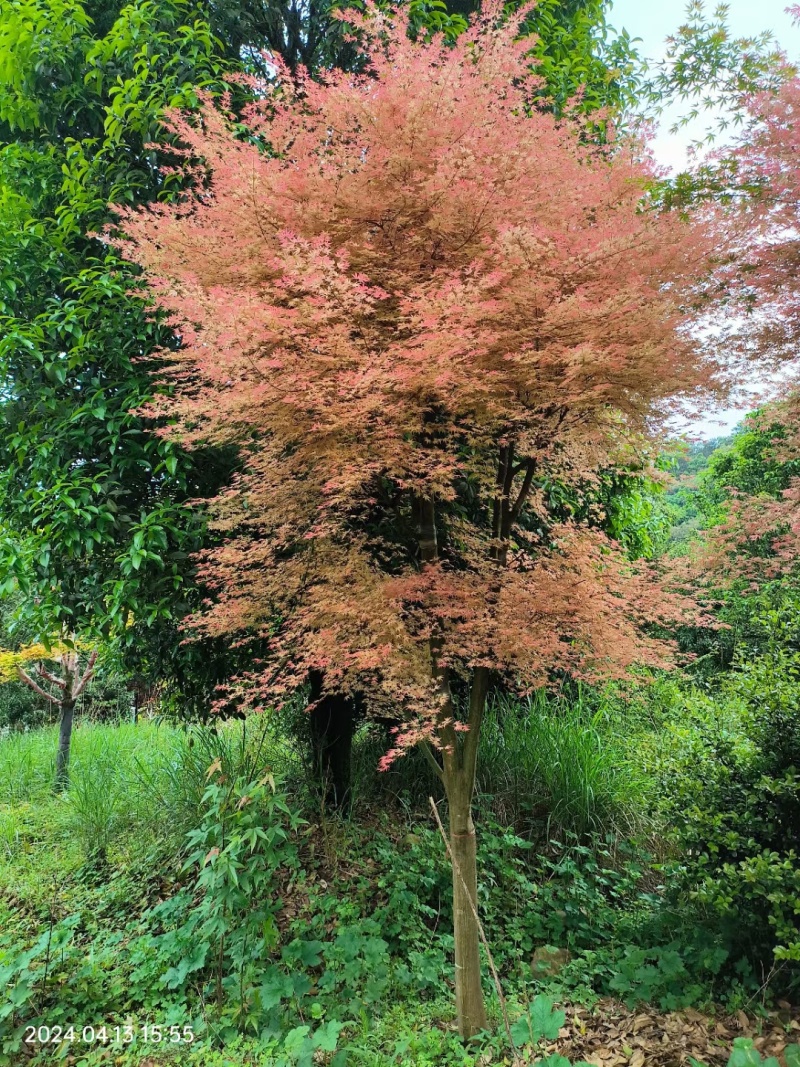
93	530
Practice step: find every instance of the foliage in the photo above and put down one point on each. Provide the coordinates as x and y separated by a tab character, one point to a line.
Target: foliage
424	358
365	964
706	65
136	780
11	660
706	70
346	481
625	503
733	806
93	529
583	61
733	541
580	57
750	464
244	839
636	515
745	1054
759	276
18	705
552	765
383	355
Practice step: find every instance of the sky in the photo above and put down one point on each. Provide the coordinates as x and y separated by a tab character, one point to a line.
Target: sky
653	22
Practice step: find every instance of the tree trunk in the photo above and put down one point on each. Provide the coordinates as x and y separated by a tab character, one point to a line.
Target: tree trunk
64	740
470	1009
71	684
332	724
459	758
332	727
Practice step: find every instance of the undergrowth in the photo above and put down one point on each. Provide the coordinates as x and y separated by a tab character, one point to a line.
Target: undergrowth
188	878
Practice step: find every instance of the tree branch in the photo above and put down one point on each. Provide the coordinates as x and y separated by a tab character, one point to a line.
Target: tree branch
87	674
427	751
426	530
524	490
497	513
505	510
425	508
26	678
40	670
505	476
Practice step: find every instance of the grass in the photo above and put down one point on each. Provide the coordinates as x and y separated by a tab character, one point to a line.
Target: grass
27	765
545	766
548	768
129	784
557	764
27	760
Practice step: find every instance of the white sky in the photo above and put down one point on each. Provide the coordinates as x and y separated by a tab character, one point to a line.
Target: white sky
653	23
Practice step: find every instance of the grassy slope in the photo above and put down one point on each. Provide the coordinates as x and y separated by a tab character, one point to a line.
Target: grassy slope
99	872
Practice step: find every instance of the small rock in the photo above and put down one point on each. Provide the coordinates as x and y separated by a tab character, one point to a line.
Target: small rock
549	960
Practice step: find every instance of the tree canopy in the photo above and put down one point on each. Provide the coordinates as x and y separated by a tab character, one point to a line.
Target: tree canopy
91	502
406	293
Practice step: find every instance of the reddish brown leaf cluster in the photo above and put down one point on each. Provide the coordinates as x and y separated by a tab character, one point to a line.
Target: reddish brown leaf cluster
762	231
406	297
760	539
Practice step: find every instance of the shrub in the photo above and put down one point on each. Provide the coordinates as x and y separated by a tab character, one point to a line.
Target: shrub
734	809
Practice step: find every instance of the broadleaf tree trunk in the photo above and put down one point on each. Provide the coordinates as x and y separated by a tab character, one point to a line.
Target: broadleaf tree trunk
459	756
64	741
64	693
470	1007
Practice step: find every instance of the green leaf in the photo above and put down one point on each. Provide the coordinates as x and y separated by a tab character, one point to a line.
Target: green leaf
522	1032
546	1022
326	1037
309	952
295	1040
744	1055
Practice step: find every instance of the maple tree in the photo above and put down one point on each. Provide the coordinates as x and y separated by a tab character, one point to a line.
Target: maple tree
763	223
93	528
408	296
758	540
